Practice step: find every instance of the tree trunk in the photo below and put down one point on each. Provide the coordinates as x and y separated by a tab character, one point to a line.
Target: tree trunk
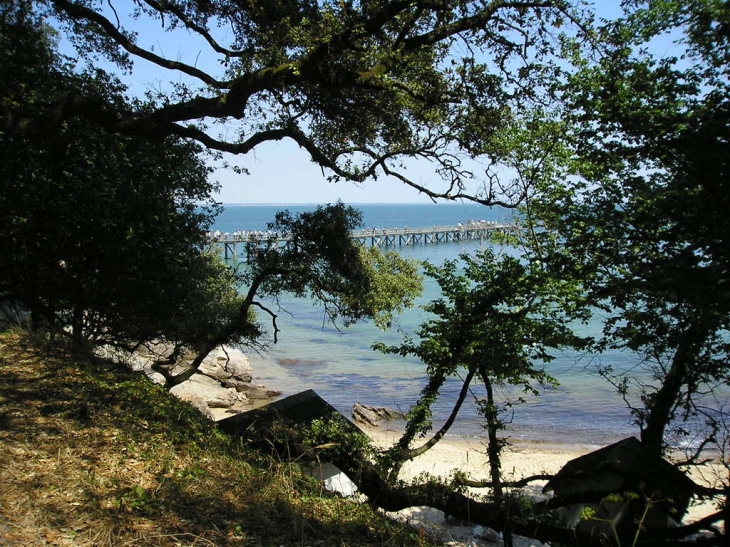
77	328
532	520
726	516
664	401
402	452
493	447
536	525
235	328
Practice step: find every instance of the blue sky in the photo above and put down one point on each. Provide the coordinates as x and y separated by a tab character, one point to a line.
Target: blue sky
280	172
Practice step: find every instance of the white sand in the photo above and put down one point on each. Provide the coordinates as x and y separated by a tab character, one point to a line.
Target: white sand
469	455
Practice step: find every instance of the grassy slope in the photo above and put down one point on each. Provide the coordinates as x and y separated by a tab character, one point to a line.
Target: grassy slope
91	454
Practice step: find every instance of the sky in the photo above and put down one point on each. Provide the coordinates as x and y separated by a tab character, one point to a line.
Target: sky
279	172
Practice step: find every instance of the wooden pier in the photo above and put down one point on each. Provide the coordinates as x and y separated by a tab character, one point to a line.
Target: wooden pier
386	237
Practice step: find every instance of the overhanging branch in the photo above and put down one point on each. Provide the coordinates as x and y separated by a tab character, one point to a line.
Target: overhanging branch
77	11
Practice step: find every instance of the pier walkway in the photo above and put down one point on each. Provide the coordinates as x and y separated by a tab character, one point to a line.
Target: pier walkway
234	244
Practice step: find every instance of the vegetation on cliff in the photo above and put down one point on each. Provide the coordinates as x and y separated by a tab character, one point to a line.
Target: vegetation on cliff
95	455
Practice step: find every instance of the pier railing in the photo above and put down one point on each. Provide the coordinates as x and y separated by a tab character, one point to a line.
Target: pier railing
235	243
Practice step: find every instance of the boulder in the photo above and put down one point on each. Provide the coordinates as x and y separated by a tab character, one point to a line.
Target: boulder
257	392
209	389
198	402
226	363
222	381
373	415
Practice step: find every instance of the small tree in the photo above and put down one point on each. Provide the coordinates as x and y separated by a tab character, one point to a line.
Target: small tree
100	234
493	323
323	262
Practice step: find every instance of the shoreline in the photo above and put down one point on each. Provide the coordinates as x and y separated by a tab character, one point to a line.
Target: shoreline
467	454
588	421
519	460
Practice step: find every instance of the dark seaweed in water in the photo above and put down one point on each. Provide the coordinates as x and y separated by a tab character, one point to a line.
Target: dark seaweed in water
292	361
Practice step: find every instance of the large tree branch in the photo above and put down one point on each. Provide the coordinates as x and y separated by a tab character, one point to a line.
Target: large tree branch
521	483
243	147
77	11
234	328
499	517
322	68
475	23
192	25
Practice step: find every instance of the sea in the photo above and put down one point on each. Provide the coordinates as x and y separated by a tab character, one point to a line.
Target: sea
341	366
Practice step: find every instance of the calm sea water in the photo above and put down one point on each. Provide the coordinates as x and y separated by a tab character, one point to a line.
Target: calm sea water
341	366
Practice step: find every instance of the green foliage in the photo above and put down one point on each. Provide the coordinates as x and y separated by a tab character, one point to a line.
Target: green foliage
102	234
322	262
334	436
640	218
153	412
610	502
136	499
393	283
489	316
496	319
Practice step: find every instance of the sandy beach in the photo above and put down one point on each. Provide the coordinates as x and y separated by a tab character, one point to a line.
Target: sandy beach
521	459
468	455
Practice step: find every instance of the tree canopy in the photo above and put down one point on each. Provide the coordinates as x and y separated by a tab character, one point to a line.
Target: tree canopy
643	220
362	87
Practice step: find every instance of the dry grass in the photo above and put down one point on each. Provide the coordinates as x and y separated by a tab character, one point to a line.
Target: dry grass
92	454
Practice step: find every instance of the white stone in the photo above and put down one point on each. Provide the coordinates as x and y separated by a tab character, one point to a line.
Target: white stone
223	363
198	402
208	389
334	479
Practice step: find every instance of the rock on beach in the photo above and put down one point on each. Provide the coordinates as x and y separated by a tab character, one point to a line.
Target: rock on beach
226	364
210	390
223	380
373	415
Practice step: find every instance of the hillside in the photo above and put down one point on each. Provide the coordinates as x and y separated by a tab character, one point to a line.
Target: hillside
92	454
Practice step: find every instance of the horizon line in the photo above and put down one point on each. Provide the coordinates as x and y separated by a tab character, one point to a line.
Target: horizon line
279	204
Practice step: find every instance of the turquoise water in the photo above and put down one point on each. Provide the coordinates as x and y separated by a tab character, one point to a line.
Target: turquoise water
255	217
341	367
